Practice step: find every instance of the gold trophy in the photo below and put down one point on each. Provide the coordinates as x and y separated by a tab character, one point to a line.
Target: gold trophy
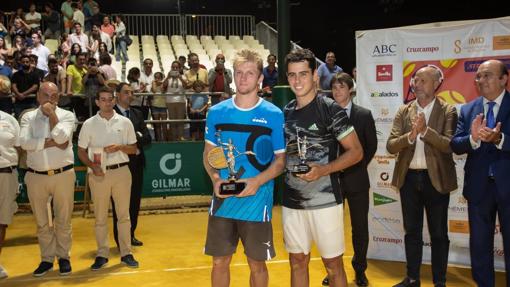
217	159
302	147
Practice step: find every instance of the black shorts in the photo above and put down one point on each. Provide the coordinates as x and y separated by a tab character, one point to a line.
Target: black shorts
223	234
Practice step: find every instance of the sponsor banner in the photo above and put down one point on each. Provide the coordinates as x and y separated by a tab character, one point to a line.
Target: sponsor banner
386	60
175	169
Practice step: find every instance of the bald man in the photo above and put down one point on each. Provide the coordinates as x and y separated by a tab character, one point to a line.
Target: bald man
482	133
46	135
424	173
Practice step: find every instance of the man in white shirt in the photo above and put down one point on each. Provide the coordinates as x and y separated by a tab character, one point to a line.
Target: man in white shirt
79	37
46	135
78	16
33	18
41	51
9	140
104	144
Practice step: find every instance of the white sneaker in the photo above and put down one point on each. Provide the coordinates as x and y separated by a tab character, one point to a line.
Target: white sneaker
3	272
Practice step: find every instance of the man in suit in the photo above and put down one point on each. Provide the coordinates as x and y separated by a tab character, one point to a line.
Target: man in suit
354	180
424	172
124	94
483	127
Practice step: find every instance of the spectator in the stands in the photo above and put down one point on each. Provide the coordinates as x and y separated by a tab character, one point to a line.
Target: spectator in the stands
5	70
108	28
33	67
270	76
176	104
75	73
92	81
105	62
57	76
327	70
19	13
79	37
19	28
3	29
195	73
78	16
3	50
75	51
67	15
51	19
120	40
41	51
33	18
219	80
138	86
89	12
11	63
24	86
182	62
158	107
64	50
93	48
105	38
198	109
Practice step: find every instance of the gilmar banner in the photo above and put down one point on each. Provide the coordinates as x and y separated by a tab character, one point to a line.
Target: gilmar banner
386	60
175	169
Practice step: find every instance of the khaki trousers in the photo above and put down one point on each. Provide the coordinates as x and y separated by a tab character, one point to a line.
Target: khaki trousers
116	183
56	240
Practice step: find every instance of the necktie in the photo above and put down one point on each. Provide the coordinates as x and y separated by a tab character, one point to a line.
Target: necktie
491	121
127	113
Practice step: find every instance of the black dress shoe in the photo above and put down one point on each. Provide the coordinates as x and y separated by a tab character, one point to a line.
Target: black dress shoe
42	269
99	263
361	279
64	267
129	260
136	242
325	282
408	282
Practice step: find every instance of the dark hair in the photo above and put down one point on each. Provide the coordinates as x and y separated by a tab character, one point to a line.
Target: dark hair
192	55
92	61
176	62
160	74
104	89
120	86
105	59
271	55
72	49
77	23
182	57
301	55
342	78
84	54
52	61
131	74
74	5
35	33
22	56
34	57
49	5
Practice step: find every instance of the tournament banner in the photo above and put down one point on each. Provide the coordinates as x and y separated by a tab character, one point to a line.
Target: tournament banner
386	60
175	169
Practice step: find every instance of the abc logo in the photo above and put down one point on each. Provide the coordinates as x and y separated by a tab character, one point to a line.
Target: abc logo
167	157
384	49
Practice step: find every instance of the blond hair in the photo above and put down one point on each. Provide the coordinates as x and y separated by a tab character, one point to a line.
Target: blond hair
247	55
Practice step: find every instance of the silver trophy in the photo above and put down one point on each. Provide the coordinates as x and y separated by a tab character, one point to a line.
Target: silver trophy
302	147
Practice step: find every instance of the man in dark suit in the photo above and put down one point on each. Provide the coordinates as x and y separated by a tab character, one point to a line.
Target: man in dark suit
482	131
354	180
124	94
424	173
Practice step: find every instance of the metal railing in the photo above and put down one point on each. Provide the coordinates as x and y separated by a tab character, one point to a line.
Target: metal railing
175	24
268	37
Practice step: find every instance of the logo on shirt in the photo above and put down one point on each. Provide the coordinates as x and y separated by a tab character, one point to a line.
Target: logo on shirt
259	120
167	157
384	73
313	127
268	244
380	199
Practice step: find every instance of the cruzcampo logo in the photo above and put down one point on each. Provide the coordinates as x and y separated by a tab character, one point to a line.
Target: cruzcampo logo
380	199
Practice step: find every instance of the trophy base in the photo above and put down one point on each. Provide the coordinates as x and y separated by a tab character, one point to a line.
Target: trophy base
301	168
232	187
